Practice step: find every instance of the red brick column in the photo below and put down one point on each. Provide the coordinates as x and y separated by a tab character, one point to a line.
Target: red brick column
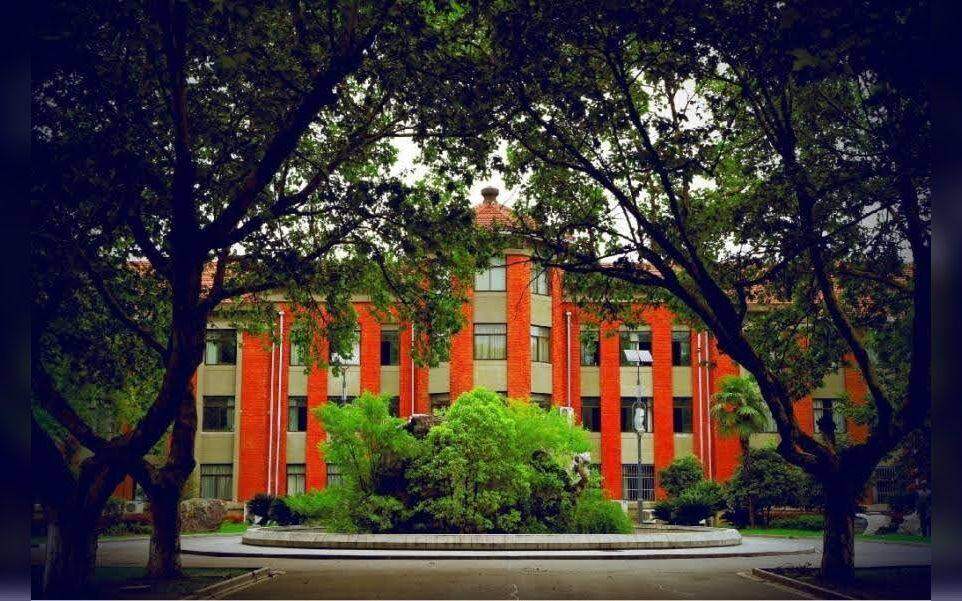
697	409
370	350
558	350
518	280
281	406
857	391
422	379
726	450
805	414
573	377
316	477
663	397
252	437
610	379
461	372
404	377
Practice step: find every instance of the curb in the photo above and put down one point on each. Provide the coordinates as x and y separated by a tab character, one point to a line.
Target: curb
821	593
216	590
558	555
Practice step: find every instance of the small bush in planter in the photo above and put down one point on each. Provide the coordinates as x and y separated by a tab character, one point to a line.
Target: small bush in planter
800	522
280	514
259	507
594	514
664	509
680	475
697	503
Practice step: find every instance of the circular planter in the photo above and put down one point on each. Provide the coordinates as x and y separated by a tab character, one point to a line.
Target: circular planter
647	537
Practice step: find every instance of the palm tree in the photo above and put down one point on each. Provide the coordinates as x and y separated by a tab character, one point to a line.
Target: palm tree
739	409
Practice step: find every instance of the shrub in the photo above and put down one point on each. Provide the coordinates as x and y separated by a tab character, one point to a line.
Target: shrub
202	515
280	514
664	509
259	507
772	482
800	522
681	474
696	503
595	514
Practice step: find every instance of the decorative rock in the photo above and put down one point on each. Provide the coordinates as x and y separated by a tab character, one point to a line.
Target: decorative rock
861	523
875	522
202	515
910	525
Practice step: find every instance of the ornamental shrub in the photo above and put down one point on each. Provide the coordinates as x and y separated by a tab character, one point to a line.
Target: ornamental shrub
772	482
596	514
697	503
800	522
681	474
279	513
259	507
664	509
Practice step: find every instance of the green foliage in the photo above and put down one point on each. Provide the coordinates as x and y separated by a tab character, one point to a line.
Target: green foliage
696	503
771	482
259	506
681	474
738	407
800	522
596	514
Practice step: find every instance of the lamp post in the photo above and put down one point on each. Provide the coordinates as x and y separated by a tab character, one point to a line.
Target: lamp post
639	411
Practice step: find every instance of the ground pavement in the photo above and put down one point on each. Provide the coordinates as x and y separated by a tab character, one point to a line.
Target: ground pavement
705	578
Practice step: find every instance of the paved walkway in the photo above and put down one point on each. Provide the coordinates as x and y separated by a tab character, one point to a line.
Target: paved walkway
511	578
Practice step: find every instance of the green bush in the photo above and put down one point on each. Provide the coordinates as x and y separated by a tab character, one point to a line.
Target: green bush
259	506
681	474
595	514
280	514
800	522
664	509
772	482
697	503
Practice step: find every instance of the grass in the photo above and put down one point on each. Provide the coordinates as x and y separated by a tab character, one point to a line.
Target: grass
792	533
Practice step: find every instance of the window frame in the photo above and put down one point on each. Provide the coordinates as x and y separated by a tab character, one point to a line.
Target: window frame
214	332
625	336
676	343
299	411
488	336
483	280
230	410
594	335
220	481
675	409
540	338
541	282
355	359
332	474
817	411
299	476
593	405
387	334
625	411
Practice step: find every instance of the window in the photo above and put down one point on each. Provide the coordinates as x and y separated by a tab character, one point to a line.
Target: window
681	348
297	414
440	400
354	358
296	476
885	482
345	400
218	414
333	475
390	346
634	339
492	278
591	413
681	414
541	344
628	413
296	356
221	347
541	283
541	400
821	407
629	481
590	347
490	341
217	481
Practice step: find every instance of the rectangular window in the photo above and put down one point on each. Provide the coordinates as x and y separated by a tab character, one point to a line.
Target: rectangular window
296	356
390	346
217	481
885	482
629	481
591	413
296	477
590	348
681	348
492	278
541	400
333	474
541	344
628	413
541	282
221	347
490	341
297	414
218	414
634	339
354	358
345	400
820	407
440	400
681	414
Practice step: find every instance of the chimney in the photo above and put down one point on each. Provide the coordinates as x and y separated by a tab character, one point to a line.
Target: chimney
490	195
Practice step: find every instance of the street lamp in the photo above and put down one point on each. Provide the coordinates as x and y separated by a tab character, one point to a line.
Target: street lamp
639	411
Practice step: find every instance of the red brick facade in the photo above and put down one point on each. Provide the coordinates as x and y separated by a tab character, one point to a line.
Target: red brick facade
663	396
610	381
518	309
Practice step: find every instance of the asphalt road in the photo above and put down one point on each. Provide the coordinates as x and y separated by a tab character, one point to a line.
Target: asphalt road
715	578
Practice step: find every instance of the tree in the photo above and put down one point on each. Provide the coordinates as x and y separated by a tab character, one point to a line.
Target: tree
740	411
762	168
681	474
235	149
765	480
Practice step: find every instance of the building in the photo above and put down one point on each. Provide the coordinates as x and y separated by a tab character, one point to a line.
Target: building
523	339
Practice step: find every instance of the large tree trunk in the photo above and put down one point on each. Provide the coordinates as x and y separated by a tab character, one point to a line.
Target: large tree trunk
71	554
838	546
746	448
164	558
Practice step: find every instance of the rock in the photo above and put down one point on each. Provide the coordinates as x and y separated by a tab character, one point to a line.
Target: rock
202	515
861	523
876	522
910	525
